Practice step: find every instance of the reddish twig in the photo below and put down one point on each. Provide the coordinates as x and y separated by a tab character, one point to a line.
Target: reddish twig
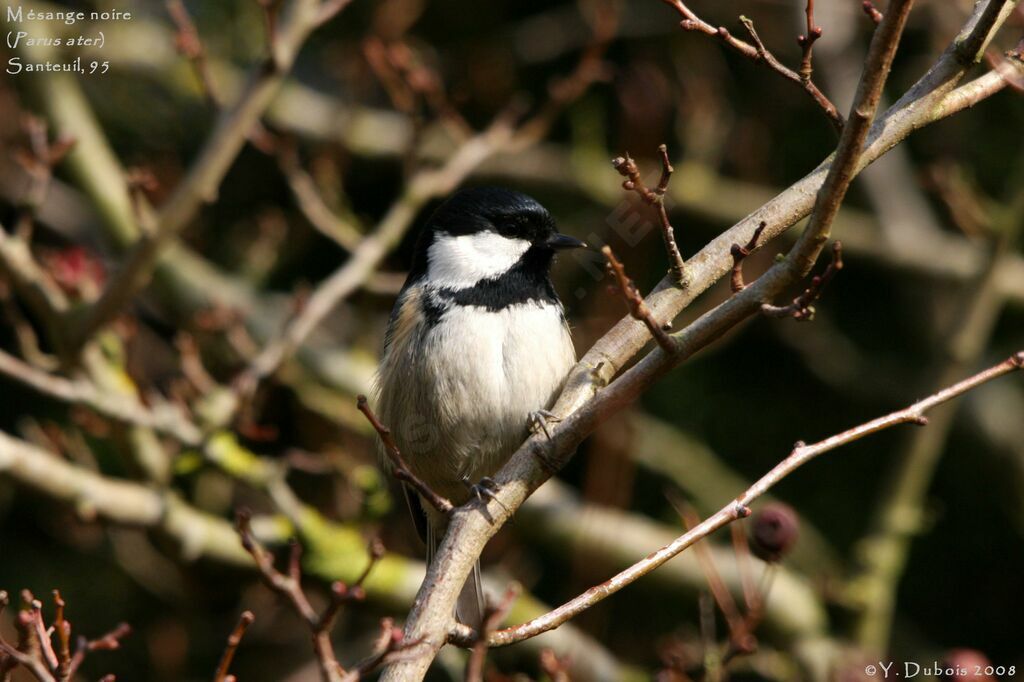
35	651
741	637
635	302
801	309
554	666
806	43
739	253
108	642
244	621
757	53
408	80
190	46
1009	65
493	617
63	630
38	161
271	11
42	636
399	469
628	169
289	586
389	646
741	548
872	12
342	594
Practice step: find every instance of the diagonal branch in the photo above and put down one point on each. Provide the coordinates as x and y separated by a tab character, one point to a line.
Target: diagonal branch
740	507
234	639
399	468
635	302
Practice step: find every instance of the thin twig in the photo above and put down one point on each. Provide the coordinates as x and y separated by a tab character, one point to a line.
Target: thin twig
108	642
555	667
806	42
493	617
801	309
389	646
289	587
63	630
741	638
234	639
739	253
635	302
400	469
628	169
758	53
309	201
739	508
190	46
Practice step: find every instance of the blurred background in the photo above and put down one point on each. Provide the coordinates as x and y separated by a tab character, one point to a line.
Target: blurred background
909	545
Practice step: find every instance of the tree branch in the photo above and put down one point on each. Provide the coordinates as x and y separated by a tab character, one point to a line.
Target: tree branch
739	508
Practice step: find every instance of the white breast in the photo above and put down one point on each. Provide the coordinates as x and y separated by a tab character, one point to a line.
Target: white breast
492	369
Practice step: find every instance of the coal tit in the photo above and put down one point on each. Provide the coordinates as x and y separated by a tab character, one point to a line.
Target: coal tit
476	346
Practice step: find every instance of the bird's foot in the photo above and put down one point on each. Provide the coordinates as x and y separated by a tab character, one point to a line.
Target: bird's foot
484	490
539	420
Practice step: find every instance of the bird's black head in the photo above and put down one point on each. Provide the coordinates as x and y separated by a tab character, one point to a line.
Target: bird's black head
495	209
486	233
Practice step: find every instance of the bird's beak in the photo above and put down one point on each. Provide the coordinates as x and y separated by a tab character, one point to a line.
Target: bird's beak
563	241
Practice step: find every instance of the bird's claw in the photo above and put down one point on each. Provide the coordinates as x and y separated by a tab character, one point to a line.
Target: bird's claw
487	488
539	419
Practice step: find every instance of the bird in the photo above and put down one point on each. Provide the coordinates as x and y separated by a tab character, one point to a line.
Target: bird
476	350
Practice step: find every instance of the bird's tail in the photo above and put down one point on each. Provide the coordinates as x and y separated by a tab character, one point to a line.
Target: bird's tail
469	609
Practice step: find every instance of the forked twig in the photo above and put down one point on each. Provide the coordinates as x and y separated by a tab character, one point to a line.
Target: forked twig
801	309
739	253
628	169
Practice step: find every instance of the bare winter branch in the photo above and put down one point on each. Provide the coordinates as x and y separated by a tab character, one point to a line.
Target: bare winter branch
740	507
758	53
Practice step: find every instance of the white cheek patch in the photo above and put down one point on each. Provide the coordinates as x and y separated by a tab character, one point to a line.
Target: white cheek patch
460	262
